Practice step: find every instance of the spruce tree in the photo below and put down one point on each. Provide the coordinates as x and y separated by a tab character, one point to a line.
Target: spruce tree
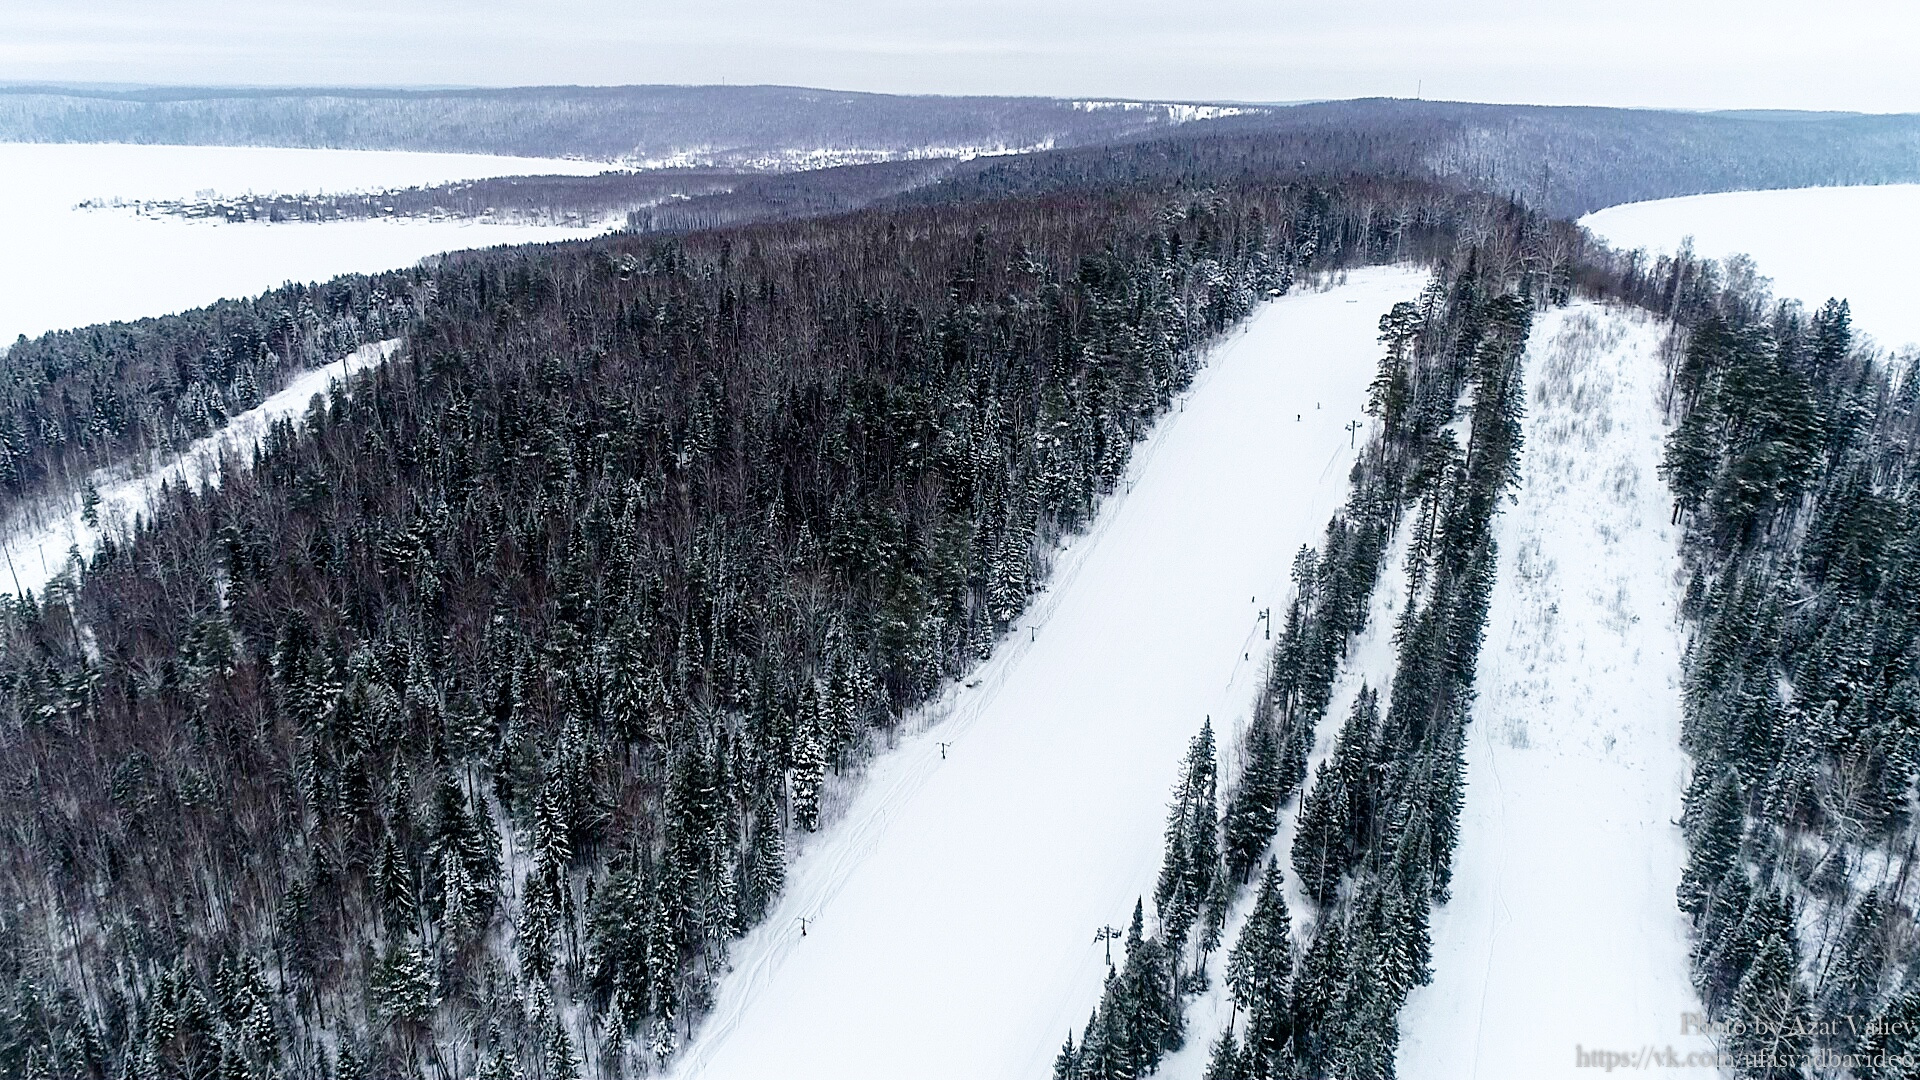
1715	843
809	770
1224	1063
1066	1063
1320	835
1852	984
1262	959
1890	1040
1253	808
767	866
1771	1022
1192	858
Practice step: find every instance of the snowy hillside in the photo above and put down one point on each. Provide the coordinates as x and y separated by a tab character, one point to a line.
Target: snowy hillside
1814	243
1563	932
40	539
943	925
66	267
1369	664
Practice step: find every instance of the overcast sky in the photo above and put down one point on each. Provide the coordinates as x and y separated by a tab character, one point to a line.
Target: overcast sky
1832	54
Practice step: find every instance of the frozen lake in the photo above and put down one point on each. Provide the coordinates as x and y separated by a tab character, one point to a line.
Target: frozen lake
61	267
1852	242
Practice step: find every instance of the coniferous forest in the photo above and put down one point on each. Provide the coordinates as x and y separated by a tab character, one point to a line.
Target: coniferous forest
1790	465
1788	460
464	729
460	731
1377	826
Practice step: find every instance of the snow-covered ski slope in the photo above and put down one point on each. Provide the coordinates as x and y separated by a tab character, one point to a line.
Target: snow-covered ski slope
951	906
62	267
1563	933
1370	663
40	538
1852	242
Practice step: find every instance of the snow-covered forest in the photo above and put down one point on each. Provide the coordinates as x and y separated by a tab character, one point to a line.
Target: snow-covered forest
1226	592
546	760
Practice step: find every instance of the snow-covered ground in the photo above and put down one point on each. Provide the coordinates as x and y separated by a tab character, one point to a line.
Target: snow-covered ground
39	539
1369	662
1853	242
952	904
1563	933
62	267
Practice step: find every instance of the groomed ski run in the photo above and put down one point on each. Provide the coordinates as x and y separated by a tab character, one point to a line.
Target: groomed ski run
944	925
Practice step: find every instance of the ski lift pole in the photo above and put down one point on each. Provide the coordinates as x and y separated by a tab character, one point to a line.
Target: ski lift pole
1106	935
17	592
1353	430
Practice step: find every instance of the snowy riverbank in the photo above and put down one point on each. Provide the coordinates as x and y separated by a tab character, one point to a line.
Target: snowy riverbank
1815	243
65	267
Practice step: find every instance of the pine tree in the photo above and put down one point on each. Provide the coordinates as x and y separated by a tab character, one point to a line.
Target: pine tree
1392	389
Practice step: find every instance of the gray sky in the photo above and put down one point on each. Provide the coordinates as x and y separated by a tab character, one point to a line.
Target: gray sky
1835	54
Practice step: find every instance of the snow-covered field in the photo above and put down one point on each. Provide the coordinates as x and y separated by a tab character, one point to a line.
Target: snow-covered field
40	538
1853	242
62	267
1563	933
952	904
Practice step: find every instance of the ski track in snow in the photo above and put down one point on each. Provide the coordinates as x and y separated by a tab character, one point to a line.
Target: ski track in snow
1369	662
951	907
1562	932
40	538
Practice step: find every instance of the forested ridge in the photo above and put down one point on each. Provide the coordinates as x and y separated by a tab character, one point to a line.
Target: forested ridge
1565	161
740	126
460	731
647	200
